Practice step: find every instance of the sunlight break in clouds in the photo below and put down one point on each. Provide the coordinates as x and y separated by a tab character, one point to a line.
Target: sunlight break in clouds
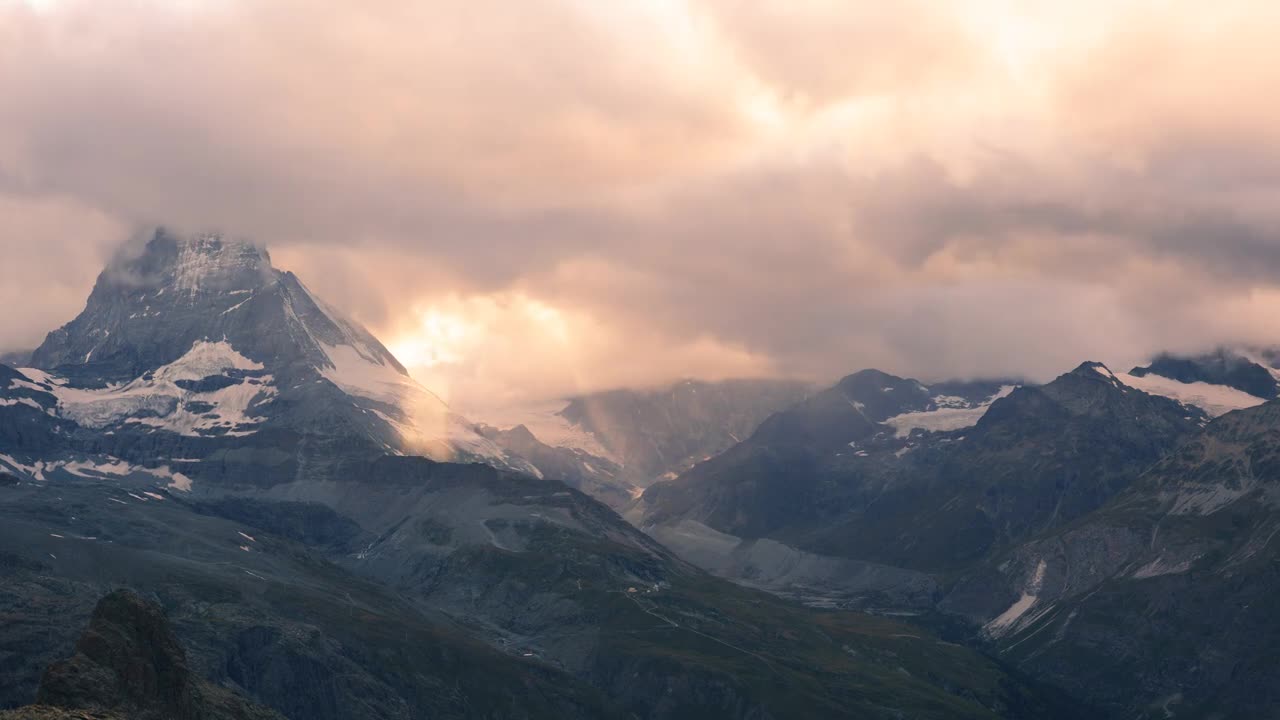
690	187
459	345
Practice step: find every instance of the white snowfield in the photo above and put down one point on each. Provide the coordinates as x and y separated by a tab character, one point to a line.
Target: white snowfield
952	414
1215	400
156	400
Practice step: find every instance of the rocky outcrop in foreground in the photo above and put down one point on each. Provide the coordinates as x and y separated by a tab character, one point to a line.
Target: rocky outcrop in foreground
129	664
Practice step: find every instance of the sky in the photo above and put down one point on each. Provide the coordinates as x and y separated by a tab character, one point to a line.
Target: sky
528	200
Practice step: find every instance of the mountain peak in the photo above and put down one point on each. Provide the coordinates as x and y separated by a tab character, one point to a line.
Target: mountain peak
198	336
208	259
1095	371
187	265
1092	367
869	377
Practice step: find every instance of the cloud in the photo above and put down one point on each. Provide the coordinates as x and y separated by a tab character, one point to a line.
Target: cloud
52	251
818	51
626	193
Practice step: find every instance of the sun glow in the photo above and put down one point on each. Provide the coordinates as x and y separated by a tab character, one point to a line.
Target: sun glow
458	330
439	337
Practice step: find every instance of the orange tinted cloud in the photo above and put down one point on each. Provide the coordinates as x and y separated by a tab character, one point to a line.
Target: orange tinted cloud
692	187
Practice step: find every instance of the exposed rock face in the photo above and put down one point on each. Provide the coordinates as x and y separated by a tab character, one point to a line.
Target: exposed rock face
129	662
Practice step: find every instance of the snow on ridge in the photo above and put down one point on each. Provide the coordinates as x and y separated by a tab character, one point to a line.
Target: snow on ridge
1215	400
356	364
419	416
1103	370
945	418
358	374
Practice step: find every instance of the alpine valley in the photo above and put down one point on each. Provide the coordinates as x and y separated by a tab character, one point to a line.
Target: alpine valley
213	479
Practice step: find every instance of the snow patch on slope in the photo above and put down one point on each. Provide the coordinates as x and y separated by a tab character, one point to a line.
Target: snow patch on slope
158	400
10	402
946	417
1008	620
363	375
94	468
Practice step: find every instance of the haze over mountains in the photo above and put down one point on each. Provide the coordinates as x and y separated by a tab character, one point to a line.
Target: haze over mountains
655	359
210	433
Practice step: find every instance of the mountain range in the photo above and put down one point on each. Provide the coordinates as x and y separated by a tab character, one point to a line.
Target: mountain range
329	540
326	538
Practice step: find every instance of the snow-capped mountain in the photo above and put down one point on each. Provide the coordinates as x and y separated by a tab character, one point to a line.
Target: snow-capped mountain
200	337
